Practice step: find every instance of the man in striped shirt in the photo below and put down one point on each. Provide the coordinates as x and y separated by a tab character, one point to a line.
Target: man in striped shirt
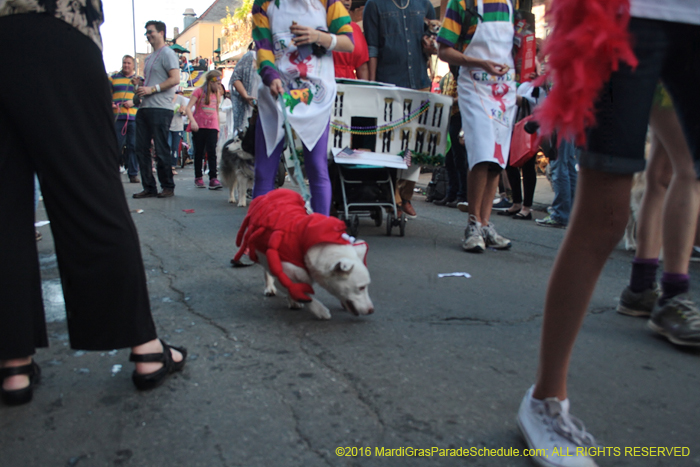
125	114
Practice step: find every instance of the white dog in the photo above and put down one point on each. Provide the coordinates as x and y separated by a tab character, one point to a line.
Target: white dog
237	171
337	268
297	249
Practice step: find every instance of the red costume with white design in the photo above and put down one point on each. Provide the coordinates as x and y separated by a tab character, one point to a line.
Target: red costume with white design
278	226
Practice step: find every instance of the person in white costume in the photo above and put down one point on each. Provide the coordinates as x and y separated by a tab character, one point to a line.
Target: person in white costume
294	40
486	91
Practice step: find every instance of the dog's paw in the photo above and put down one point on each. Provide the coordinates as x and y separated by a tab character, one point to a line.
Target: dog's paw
294	305
270	291
319	310
241	203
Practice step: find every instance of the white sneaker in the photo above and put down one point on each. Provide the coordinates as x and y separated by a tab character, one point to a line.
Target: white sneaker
463	206
493	239
547	426
473	241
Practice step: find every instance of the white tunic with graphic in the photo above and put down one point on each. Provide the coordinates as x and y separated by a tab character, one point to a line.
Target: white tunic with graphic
310	80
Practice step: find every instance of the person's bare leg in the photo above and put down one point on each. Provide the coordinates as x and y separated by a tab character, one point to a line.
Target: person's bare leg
597	224
649	218
683	197
489	194
477	179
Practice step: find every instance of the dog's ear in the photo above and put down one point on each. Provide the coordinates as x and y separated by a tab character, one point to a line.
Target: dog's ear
343	267
360	248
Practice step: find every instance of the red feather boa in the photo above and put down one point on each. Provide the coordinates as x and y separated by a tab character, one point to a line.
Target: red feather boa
588	41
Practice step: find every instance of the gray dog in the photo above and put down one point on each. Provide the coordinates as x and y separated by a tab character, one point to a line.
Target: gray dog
237	170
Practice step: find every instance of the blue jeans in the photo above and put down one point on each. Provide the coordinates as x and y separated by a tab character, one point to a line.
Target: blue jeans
564	178
132	163
154	124
174	138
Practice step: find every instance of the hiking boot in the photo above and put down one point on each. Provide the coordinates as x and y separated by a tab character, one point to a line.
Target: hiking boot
198	182
407	208
455	203
678	320
493	239
166	193
134	179
502	205
638	304
546	425
473	240
549	222
145	194
215	184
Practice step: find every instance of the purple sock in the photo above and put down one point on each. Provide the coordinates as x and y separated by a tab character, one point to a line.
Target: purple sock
643	274
673	284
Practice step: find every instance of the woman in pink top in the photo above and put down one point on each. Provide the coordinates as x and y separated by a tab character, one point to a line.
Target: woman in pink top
204	124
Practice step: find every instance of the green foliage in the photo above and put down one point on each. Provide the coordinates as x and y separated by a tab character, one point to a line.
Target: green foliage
241	14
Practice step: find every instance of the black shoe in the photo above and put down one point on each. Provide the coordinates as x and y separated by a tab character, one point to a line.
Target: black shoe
152	380
166	193
134	179
454	203
443	201
23	395
145	194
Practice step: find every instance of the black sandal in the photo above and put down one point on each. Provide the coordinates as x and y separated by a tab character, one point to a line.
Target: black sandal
155	379
23	395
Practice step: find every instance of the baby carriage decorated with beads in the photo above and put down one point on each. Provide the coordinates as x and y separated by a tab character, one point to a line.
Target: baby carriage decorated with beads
376	129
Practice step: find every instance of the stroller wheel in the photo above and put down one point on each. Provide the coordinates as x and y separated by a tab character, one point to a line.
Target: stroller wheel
402	225
377	216
389	223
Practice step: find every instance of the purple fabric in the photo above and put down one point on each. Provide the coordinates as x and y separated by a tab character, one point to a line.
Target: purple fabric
268	74
315	163
495	7
673	284
643	274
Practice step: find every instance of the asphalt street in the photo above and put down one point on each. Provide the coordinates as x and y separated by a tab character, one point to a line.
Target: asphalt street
443	362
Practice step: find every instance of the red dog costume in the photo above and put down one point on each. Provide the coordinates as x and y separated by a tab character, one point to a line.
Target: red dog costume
278	225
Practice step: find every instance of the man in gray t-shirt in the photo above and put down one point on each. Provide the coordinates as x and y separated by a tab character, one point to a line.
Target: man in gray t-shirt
161	75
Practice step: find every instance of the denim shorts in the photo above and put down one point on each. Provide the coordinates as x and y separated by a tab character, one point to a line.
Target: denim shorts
666	51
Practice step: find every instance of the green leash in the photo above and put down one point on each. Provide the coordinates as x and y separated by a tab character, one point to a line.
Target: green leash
298	177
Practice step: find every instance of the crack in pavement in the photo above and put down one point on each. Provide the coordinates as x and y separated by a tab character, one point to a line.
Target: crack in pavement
469	320
345	376
171	277
297	426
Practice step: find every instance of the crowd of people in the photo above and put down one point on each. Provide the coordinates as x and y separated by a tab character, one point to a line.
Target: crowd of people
393	46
